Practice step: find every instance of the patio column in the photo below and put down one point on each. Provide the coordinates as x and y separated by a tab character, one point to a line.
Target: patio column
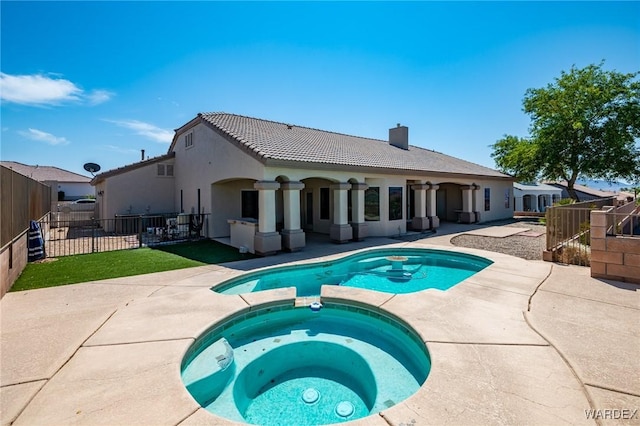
267	240
420	220
358	225
476	207
467	215
293	237
340	231
434	220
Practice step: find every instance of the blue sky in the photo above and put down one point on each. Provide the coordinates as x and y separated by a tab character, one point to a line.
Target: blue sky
99	81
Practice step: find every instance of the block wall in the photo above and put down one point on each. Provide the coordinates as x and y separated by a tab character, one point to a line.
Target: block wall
613	257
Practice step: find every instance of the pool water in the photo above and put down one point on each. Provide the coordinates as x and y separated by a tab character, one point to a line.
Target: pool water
398	270
287	365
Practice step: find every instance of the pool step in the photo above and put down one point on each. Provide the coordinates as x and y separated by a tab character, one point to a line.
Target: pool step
209	372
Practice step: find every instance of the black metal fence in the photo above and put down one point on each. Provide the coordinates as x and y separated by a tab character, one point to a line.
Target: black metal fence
81	235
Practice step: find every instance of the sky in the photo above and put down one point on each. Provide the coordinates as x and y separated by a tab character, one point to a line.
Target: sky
100	81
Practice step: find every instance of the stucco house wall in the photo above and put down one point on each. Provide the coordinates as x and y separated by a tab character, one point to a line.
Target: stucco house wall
72	190
207	161
138	191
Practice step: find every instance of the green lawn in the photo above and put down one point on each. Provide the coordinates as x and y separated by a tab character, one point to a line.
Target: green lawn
124	263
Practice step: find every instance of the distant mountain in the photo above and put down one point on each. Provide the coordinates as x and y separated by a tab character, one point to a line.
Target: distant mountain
604	185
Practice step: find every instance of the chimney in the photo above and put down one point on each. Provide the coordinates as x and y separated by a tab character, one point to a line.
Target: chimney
399	137
142	154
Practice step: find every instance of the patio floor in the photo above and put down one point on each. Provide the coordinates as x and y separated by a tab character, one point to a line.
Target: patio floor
521	342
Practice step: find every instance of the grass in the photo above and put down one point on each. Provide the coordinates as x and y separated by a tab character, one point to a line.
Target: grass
124	263
206	251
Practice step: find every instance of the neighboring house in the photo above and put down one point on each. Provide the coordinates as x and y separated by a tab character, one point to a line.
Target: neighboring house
535	197
73	185
585	193
141	188
265	184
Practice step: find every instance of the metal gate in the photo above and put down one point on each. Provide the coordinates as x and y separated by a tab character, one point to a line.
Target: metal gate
70	233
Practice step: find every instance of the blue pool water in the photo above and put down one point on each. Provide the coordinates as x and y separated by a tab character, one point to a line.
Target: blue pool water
287	365
398	270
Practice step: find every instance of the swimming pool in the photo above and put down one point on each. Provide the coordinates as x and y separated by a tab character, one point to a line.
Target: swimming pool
397	270
286	365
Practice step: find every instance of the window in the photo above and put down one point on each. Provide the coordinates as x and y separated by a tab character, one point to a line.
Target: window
165	170
487	199
188	140
507	197
395	203
324	204
250	204
372	204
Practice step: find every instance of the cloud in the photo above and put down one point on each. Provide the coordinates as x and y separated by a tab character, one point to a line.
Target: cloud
40	136
41	90
99	96
120	150
147	130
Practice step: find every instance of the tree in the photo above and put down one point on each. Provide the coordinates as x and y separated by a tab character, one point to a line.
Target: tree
585	124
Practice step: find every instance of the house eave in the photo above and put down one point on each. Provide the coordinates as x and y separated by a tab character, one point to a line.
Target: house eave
271	162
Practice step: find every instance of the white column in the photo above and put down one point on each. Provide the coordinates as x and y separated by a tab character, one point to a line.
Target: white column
293	237
466	216
358	225
477	207
267	240
432	214
420	220
340	229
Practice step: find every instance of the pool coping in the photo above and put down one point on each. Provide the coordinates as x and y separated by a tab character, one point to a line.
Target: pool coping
488	364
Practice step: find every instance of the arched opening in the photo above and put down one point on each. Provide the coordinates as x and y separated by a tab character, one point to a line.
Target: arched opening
316	205
232	199
528	203
448	201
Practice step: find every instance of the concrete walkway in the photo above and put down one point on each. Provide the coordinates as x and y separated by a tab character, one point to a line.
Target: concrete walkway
520	342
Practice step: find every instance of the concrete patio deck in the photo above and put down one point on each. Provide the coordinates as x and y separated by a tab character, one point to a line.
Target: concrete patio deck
521	342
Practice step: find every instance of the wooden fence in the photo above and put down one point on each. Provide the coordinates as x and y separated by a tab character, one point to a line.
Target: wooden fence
23	199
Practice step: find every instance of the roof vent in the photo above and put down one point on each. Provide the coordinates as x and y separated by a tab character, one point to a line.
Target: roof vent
399	137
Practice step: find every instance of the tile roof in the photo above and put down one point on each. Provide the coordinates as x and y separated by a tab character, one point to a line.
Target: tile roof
584	189
45	173
270	140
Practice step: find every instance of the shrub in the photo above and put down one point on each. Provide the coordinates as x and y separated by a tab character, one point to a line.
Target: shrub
575	255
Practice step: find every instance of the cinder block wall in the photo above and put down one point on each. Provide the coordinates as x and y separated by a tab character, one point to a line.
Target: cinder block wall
613	257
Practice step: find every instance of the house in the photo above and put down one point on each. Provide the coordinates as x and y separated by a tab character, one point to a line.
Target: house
65	185
586	193
535	197
264	184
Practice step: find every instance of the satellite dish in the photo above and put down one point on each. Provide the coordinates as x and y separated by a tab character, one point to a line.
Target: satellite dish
92	167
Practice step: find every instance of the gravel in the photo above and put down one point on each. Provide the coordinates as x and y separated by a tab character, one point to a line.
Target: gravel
526	247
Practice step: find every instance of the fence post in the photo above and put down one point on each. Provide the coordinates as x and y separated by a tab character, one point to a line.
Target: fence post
139	231
93	235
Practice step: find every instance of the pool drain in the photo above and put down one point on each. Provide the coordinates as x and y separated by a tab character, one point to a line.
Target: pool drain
344	409
310	396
